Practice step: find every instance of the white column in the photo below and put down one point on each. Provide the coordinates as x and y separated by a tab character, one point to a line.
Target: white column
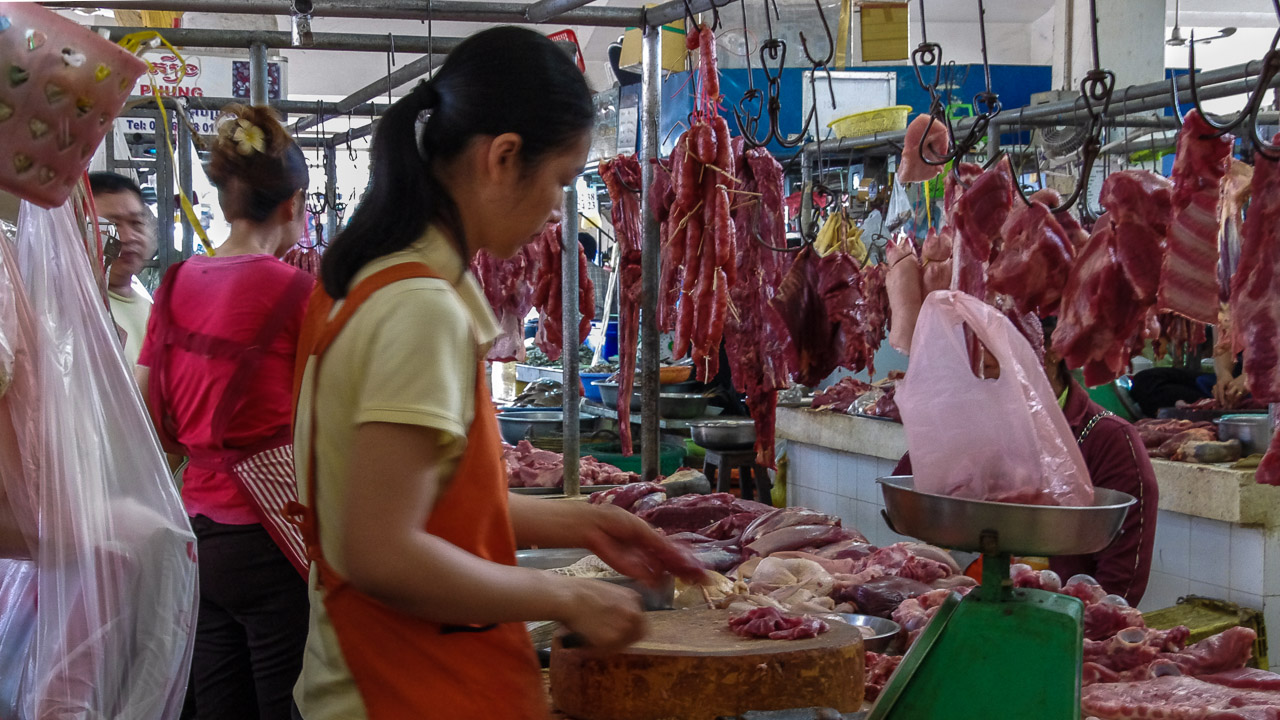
1131	37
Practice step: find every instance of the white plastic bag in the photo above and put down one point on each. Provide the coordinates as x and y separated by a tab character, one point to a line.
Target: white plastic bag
1004	439
114	567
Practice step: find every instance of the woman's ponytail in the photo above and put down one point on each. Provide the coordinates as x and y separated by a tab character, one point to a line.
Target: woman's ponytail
502	80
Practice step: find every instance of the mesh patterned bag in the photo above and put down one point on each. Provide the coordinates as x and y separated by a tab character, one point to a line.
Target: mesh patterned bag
61	86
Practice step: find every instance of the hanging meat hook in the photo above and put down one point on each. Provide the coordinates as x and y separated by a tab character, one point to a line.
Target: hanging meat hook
825	62
1270	67
1095	92
986	105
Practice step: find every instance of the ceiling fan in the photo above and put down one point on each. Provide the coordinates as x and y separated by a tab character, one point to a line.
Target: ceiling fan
1177	39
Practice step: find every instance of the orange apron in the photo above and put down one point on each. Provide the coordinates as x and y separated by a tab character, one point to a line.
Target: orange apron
405	667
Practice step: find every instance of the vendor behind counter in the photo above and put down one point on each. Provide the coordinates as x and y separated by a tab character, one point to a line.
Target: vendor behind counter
1116	459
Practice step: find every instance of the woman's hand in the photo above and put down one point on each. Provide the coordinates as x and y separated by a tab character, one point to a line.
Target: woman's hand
633	548
1229	392
609	617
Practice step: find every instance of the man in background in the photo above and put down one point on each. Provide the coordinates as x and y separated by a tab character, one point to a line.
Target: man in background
119	201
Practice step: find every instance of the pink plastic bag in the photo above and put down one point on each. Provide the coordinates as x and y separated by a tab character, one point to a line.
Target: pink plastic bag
1003	440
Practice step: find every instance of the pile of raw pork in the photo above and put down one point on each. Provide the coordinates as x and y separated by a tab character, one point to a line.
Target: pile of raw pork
529	467
777	565
855	397
1148	270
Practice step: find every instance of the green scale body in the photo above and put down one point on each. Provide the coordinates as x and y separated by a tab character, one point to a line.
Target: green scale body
1001	652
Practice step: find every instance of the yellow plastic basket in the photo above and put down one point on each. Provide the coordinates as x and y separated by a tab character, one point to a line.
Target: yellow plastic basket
886	119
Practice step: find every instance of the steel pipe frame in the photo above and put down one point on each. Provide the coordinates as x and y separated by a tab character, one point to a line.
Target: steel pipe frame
442	10
284	106
650	269
1226	82
239	39
258	74
569	317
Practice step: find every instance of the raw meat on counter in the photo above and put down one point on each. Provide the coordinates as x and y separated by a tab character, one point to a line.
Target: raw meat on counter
878	669
1178	698
1155	433
769	623
1255	307
841	396
528	466
1189	280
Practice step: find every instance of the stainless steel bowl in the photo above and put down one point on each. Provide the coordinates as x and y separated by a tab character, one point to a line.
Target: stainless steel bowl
682	388
608	393
1253	432
681	406
528	425
883	630
724	434
958	523
550	558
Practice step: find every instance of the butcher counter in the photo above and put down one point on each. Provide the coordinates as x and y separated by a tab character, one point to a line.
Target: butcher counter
1218	533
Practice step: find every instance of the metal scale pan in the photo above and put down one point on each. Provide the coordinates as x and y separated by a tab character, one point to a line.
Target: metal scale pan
958	523
1001	652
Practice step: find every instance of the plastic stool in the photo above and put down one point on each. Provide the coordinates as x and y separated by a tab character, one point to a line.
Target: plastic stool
753	479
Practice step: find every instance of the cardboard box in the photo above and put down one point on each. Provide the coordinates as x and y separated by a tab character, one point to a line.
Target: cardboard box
885	34
674	53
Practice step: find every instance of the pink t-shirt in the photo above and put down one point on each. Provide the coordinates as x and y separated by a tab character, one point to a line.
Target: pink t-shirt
229	298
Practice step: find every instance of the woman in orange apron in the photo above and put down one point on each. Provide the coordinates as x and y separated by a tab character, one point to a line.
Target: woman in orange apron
417	606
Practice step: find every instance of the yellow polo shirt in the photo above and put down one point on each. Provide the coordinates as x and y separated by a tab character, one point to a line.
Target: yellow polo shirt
408	355
131	314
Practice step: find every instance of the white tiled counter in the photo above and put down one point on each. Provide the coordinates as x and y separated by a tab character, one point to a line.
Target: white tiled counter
1218	532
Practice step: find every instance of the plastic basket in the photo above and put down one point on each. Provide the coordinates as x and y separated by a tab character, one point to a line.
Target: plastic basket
61	86
872	121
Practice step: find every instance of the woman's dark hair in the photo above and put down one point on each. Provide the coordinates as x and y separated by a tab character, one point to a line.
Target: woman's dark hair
254	163
502	80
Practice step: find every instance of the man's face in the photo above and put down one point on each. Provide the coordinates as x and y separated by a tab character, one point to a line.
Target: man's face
133	223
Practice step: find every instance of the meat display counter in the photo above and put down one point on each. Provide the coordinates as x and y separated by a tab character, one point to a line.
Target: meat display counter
1218	531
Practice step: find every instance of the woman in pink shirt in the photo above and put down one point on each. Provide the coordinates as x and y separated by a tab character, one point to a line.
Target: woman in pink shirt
217	366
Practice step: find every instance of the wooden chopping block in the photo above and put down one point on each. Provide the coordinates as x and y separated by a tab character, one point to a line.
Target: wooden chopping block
691	666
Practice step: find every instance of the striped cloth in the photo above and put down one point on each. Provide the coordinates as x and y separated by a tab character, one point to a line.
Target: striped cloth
269	479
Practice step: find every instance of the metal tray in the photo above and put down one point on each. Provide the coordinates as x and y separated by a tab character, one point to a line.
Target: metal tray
537	490
958	523
885	630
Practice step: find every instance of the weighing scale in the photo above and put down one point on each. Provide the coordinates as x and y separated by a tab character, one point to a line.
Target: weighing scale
1001	652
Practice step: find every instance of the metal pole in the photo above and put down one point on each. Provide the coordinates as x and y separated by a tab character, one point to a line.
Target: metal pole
331	191
1213	84
258	74
406	74
184	184
164	199
239	39
650	270
675	9
328	109
993	139
544	10
440	10
349	136
569	317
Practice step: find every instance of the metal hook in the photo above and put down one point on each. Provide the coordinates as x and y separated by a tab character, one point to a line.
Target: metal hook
1173	96
1270	67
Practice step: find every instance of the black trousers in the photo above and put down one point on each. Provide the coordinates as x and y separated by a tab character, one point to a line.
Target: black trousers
252	626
